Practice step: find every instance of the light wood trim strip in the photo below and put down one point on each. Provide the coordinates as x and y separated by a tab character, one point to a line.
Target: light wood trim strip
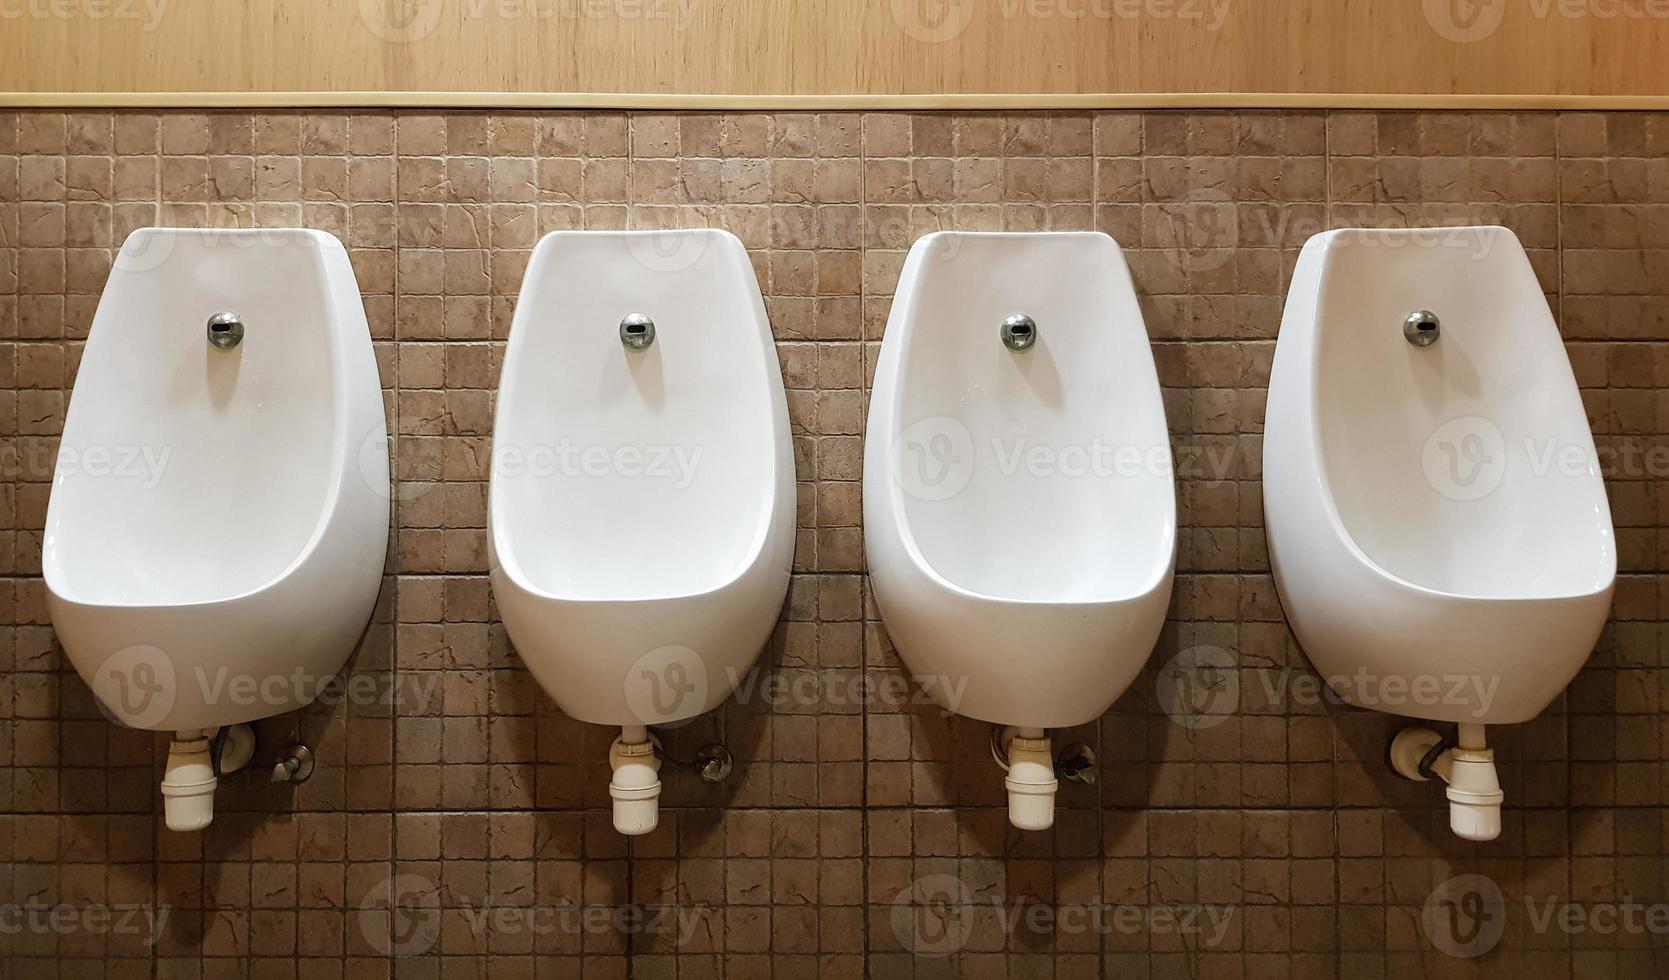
792	103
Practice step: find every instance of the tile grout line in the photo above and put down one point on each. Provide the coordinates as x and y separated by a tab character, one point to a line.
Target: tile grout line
1333	764
863	580
394	538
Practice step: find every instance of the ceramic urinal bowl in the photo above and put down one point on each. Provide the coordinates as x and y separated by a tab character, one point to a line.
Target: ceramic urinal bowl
219	516
1019	509
1436	518
642	501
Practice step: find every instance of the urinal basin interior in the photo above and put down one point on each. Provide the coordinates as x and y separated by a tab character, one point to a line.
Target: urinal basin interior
1058	456
191	474
636	475
218	522
1438	526
642	502
1466	467
1019	512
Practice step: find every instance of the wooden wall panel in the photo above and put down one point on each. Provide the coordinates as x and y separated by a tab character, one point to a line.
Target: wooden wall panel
647	52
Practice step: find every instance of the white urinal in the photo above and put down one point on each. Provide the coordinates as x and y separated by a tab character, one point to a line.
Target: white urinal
1019	511
219	514
1436	517
642	499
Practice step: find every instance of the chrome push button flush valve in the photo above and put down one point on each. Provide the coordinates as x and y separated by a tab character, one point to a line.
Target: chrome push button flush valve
637	331
1422	328
1019	332
225	330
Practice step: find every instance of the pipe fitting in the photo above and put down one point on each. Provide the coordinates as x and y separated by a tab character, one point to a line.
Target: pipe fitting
1474	793
1031	779
1467	768
188	782
636	783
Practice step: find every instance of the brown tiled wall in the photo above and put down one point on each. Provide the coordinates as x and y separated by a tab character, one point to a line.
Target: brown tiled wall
463	786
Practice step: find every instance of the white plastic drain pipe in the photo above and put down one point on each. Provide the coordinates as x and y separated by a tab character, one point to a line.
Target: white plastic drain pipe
189	779
1468	767
1031	779
188	782
636	782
